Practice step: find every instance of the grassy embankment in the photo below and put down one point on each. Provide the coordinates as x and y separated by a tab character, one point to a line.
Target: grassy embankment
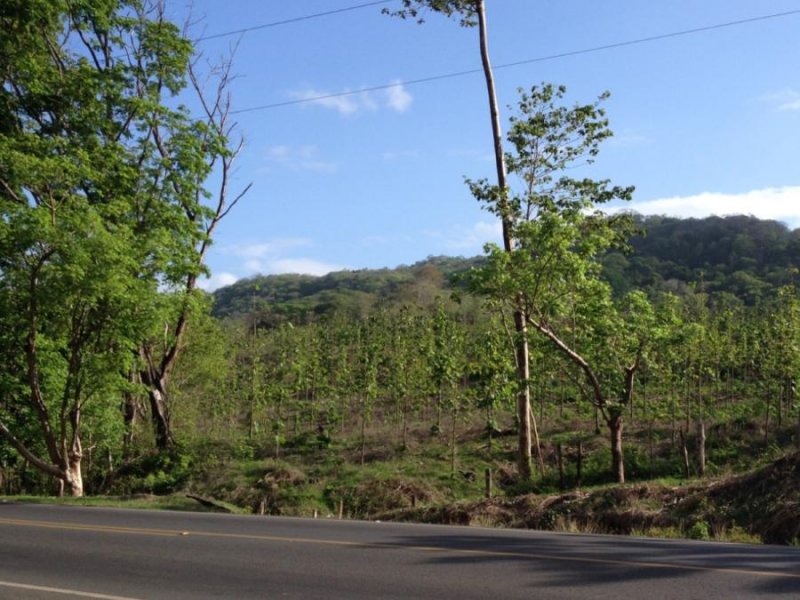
751	492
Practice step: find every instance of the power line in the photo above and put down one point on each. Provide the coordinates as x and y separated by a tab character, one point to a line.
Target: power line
288	21
549	57
652	38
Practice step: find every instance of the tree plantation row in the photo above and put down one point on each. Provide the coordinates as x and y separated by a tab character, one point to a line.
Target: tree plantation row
443	368
704	361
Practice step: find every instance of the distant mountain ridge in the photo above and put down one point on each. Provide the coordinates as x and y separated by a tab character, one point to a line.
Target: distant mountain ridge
741	255
354	291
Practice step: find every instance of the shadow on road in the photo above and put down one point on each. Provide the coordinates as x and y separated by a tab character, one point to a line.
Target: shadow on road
592	561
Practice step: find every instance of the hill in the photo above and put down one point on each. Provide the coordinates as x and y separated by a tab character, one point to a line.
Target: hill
741	255
297	296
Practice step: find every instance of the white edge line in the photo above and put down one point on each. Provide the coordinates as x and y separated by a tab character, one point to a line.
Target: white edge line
52	590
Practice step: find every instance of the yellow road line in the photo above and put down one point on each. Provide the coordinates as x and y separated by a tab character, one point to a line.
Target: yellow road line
390	546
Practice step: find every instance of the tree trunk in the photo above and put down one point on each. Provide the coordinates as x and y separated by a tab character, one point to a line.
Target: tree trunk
685	455
130	413
521	344
701	448
160	416
66	468
453	423
73	478
767	404
405	424
797	432
524	413
617	457
673	417
489	430
537	444
363	450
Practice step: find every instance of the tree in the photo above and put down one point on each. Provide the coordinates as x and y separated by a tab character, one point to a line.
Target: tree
471	13
491	375
404	380
185	152
102	206
554	273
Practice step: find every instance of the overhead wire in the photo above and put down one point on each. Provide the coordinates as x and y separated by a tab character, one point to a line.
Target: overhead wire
549	57
289	21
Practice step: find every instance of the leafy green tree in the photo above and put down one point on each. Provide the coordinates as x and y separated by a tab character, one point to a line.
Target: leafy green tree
779	361
491	375
370	336
205	391
554	274
101	204
404	378
183	153
443	358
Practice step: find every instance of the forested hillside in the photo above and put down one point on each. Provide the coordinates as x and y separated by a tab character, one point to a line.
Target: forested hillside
741	255
744	256
302	296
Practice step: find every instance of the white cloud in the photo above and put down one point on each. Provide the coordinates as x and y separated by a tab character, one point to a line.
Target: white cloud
628	139
344	104
397	98
261	249
304	266
217	280
781	204
790	105
787	100
471	239
367	101
298	158
270	258
349	103
400	154
253	265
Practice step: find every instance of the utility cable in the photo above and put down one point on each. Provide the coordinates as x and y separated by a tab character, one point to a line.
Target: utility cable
549	57
288	21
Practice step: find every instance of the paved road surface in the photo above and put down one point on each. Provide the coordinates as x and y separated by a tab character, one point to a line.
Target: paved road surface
51	552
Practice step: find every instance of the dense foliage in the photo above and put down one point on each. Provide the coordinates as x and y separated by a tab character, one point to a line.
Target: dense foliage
104	219
745	256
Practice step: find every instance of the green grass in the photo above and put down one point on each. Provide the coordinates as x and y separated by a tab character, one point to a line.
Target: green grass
169	502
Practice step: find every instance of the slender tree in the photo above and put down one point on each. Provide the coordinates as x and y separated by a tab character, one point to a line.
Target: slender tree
554	273
184	156
470	14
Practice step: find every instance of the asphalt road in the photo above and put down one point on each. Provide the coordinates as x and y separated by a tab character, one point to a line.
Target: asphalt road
51	552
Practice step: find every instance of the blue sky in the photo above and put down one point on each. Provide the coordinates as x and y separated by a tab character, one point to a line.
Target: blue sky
707	123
